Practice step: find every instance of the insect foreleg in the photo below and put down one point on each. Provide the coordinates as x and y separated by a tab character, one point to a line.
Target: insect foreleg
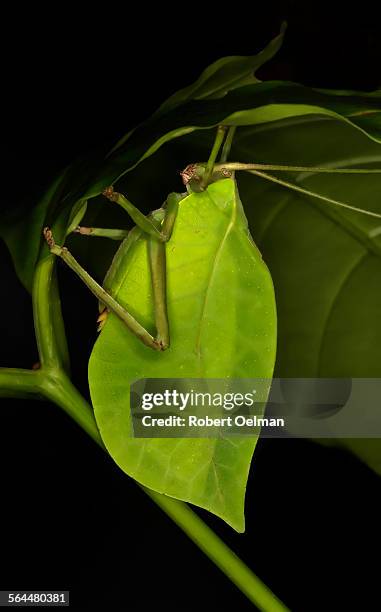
113	234
132	324
136	215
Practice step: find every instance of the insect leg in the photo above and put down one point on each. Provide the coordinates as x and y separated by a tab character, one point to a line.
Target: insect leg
113	234
132	324
136	215
294	187
157	261
170	213
158	268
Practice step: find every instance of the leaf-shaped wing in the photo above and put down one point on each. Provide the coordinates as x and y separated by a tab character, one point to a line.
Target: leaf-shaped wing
223	325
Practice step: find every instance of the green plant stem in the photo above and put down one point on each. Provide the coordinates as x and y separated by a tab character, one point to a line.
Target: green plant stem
58	388
221	131
227	144
19	383
219	553
49	329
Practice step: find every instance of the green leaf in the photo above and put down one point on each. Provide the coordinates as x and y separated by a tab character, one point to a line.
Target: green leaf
76	215
216	278
325	261
332	327
224	75
22	231
370	122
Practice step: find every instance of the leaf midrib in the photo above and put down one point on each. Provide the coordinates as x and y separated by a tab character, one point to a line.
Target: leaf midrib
211	277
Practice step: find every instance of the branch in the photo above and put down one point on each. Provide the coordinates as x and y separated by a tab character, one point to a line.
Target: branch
18	383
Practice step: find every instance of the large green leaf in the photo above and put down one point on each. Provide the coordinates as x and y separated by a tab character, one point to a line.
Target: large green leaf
22	232
226	74
21	229
325	261
223	325
370	122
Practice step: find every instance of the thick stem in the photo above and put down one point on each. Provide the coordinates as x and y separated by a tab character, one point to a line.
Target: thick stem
58	388
49	329
58	324
258	593
227	144
19	383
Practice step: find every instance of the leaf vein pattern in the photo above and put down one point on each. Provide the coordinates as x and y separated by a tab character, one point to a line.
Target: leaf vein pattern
344	282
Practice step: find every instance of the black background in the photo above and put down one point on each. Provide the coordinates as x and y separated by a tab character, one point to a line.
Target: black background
70	519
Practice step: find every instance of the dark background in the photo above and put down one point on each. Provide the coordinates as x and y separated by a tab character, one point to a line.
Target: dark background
69	518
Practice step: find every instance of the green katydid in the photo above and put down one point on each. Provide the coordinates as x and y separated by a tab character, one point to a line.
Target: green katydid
192	271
